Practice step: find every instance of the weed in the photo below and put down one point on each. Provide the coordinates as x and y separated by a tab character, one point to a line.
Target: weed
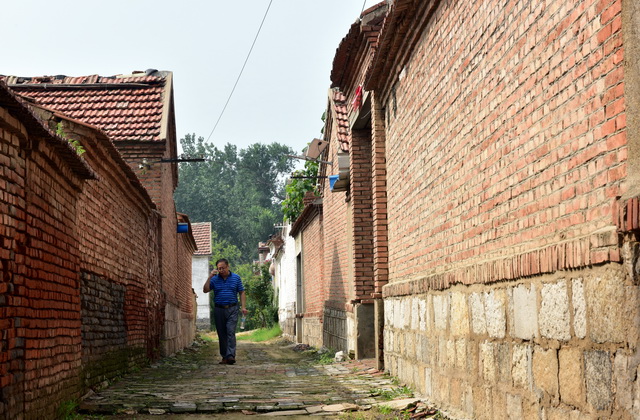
73	142
391	394
385	409
67	410
380	412
324	358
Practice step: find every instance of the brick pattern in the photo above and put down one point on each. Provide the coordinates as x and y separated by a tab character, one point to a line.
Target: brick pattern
113	331
362	201
40	300
313	270
511	287
494	148
74	310
379	199
338	233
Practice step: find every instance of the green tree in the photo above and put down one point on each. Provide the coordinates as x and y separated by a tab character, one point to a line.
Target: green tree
263	312
301	182
239	192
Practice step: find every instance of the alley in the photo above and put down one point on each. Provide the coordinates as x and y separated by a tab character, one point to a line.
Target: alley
273	378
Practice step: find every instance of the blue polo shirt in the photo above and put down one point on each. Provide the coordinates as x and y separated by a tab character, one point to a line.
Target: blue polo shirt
225	291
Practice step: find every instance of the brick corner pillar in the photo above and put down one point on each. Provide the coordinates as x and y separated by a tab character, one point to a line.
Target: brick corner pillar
380	226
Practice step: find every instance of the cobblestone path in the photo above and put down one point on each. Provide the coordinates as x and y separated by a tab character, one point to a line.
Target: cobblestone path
268	379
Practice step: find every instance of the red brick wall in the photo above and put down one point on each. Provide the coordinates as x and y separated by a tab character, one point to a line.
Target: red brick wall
314	270
338	237
12	248
506	133
79	262
40	312
159	180
114	219
314	279
379	197
361	187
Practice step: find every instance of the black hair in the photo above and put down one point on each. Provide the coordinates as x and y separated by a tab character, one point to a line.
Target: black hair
224	260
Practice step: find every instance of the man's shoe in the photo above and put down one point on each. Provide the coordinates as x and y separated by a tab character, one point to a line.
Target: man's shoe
231	360
222	362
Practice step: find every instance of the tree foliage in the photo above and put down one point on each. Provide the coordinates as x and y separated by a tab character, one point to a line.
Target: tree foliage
238	191
260	298
301	182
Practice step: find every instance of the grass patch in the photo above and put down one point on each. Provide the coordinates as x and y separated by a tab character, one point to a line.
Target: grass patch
381	412
208	337
402	392
261	334
324	358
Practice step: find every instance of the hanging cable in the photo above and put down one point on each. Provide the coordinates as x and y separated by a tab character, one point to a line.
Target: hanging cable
363	5
241	70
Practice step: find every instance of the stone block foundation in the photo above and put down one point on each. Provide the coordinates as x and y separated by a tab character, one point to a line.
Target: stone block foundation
562	345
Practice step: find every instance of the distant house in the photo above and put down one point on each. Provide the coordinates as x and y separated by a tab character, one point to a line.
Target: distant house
284	271
200	269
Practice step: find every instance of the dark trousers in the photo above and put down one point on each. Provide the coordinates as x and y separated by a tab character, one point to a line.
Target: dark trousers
226	321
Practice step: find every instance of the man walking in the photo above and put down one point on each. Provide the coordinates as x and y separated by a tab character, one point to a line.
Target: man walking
226	286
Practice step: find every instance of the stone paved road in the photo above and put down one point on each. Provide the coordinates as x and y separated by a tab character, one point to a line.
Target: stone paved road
268	379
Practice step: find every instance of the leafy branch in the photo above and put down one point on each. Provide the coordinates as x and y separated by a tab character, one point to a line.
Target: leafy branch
301	181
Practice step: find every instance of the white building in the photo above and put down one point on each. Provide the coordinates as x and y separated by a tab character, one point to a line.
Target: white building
284	270
200	270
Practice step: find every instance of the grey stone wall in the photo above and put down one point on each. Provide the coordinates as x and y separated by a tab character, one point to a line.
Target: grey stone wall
554	346
105	349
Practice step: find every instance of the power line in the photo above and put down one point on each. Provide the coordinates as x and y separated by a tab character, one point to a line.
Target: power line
363	4
241	70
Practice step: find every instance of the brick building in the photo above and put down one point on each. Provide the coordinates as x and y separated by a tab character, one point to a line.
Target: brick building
96	278
341	235
483	216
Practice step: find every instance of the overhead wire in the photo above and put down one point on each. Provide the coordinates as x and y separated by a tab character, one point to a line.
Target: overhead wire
241	71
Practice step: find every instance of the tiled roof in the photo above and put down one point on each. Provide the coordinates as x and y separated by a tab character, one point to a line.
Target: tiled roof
366	29
19	109
202	235
124	107
401	31
340	115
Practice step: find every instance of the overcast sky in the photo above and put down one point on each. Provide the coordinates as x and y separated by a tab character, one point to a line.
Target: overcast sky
282	92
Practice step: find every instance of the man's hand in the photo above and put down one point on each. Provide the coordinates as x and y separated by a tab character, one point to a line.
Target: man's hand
243	303
207	285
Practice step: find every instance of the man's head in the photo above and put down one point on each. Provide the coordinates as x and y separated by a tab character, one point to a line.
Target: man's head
222	265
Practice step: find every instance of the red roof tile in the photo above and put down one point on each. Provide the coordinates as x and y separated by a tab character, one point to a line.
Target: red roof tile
24	112
339	107
202	235
364	30
125	108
